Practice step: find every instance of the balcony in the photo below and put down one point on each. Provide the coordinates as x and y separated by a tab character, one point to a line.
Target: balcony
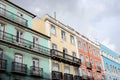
36	71
68	59
13	17
84	77
98	68
56	75
3	65
19	68
77	77
9	39
68	76
88	65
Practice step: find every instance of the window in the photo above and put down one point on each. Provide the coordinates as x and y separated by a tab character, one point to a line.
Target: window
107	67
87	60
79	44
65	52
1	53
63	36
53	30
76	71
54	46
74	56
2	27
18	58
94	52
83	72
82	58
35	67
72	39
55	67
67	69
35	42
35	62
19	36
85	48
2	7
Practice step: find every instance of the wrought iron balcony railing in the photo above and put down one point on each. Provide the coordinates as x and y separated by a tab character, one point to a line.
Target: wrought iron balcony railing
88	65
19	68
68	76
3	64
56	75
14	40
77	77
98	68
36	71
65	57
13	17
84	77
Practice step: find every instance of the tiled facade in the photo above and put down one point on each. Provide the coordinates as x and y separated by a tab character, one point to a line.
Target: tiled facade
111	63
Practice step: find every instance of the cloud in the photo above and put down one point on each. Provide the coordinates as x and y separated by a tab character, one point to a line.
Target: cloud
97	19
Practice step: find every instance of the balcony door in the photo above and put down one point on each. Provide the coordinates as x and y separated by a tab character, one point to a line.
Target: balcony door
18	62
67	69
55	67
2	27
2	9
64	53
35	63
35	42
1	53
19	36
54	46
74	56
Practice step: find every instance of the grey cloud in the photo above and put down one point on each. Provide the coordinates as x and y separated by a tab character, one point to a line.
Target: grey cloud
96	18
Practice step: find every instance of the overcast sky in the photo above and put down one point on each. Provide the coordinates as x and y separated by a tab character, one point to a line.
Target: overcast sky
99	20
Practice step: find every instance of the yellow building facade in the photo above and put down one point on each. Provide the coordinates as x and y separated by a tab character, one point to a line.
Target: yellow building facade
63	45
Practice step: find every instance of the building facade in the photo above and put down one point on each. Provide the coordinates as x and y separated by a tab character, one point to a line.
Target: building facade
111	63
24	52
91	62
64	58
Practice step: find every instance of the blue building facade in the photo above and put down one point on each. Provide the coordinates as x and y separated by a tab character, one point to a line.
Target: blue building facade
111	63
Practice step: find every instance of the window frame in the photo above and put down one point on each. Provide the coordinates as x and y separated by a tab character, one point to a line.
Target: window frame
51	29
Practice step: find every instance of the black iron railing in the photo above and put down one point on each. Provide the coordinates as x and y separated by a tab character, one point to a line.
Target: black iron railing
84	77
65	57
98	68
36	71
23	43
68	76
77	77
88	65
19	68
13	17
56	75
3	64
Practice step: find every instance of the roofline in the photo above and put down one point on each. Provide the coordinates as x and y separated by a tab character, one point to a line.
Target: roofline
21	8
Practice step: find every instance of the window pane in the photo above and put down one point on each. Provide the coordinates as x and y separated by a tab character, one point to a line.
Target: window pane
55	67
1	53
53	29
63	36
